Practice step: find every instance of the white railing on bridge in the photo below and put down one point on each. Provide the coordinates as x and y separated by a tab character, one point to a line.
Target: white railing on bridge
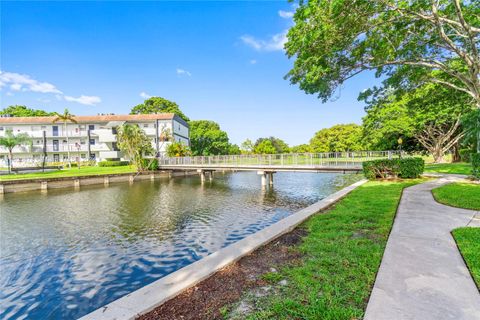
327	159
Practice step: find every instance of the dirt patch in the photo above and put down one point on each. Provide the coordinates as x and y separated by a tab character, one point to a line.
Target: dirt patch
205	300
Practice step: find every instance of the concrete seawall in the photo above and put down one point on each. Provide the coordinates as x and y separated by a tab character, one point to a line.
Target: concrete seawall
43	184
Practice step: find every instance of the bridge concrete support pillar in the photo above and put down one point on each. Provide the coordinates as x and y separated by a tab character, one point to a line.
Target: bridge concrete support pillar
267	178
202	175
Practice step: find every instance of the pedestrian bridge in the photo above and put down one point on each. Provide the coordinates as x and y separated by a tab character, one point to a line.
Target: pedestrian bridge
267	164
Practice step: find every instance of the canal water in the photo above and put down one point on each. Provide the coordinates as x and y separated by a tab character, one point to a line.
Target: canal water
66	253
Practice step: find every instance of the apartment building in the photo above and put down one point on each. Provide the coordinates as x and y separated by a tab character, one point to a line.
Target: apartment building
92	137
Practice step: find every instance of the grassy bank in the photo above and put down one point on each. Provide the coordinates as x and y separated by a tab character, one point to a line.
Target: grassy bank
468	241
82	171
452	168
461	195
340	257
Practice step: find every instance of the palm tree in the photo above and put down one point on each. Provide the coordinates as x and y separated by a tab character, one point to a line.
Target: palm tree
10	141
133	141
65	117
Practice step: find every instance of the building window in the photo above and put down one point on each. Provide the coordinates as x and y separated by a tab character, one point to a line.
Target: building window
2	128
82	141
43	127
92	142
114	130
91	127
56	158
145	125
83	156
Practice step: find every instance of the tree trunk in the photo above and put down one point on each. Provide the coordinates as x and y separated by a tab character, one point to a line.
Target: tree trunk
437	154
456	153
10	160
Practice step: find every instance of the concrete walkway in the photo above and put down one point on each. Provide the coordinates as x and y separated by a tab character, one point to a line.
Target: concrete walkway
422	275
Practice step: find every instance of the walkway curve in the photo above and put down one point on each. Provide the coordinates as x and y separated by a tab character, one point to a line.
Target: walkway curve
422	275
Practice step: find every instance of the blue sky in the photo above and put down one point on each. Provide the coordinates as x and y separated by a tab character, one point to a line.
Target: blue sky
221	61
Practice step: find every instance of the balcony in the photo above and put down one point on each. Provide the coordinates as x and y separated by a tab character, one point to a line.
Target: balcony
104	135
110	154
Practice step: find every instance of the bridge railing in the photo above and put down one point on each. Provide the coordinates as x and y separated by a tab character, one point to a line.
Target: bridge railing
330	159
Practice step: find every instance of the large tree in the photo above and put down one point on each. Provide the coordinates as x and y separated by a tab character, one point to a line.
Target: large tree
279	145
265	147
341	137
24	111
206	139
430	114
158	105
134	143
334	40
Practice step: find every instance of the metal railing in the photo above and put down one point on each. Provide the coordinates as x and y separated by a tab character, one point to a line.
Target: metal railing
327	159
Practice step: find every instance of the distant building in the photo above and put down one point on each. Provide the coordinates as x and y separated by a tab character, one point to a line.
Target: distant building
92	137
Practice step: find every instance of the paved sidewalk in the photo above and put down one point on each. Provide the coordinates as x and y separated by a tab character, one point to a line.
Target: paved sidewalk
422	275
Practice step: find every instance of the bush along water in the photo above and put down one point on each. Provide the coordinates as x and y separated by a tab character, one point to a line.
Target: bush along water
475	157
405	168
113	163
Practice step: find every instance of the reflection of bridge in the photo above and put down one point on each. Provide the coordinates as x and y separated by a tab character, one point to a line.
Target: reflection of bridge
267	165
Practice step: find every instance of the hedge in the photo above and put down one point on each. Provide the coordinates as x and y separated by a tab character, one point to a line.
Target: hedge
466	155
475	157
116	163
406	168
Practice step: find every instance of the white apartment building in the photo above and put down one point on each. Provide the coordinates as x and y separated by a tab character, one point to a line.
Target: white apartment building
92	137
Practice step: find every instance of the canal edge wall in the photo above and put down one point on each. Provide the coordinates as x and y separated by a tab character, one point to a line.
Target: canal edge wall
152	295
75	182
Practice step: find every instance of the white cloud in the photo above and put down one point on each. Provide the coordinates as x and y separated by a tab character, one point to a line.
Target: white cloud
253	61
145	95
87	100
285	14
182	72
275	43
16	86
24	82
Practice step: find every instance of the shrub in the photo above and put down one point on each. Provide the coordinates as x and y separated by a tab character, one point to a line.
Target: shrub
465	155
149	164
406	168
475	157
116	163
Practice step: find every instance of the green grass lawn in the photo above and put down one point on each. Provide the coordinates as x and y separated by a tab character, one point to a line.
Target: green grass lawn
462	195
468	241
82	171
457	168
341	256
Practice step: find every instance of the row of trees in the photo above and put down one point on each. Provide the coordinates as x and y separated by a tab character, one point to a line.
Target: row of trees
427	51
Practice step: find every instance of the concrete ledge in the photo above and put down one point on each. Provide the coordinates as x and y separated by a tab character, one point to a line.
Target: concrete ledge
147	298
75	182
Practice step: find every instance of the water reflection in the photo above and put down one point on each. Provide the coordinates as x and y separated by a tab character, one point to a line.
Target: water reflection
66	253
